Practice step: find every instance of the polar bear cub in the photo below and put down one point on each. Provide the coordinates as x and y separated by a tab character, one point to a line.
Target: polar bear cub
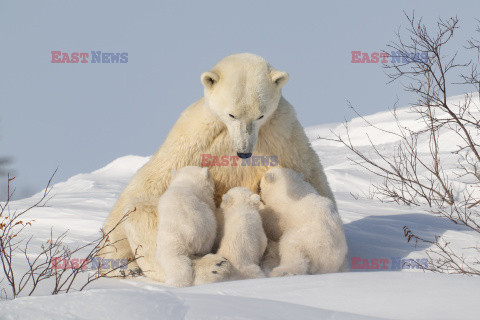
312	240
243	239
186	223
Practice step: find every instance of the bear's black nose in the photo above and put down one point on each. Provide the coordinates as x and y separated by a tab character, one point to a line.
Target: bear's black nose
244	155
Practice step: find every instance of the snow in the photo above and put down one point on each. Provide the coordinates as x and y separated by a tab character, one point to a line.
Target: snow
387	295
373	230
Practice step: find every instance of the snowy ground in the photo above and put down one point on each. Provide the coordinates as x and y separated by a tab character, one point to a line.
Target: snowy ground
373	230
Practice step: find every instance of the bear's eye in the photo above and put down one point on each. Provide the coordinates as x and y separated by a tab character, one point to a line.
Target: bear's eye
231	116
260	117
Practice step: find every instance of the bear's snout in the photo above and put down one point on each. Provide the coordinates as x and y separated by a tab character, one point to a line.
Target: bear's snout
244	155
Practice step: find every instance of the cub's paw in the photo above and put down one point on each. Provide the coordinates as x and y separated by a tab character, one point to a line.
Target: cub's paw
282	272
211	268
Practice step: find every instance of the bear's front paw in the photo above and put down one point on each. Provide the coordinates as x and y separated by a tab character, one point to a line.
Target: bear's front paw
132	271
281	272
211	268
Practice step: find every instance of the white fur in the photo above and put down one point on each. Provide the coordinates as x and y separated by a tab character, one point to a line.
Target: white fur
246	86
246	95
312	237
244	241
186	223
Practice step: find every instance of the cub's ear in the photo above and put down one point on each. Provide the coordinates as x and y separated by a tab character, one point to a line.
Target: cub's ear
205	172
279	78
226	200
209	79
269	177
255	199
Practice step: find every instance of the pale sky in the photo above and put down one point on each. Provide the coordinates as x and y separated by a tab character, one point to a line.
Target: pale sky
79	117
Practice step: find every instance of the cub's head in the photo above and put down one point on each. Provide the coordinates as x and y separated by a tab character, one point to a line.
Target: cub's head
243	91
281	182
192	176
240	196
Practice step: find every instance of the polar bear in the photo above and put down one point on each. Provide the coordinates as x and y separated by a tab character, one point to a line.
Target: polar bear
312	238
207	269
243	240
186	223
242	113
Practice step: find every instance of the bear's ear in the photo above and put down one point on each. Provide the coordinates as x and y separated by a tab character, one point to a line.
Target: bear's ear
226	199
205	172
255	199
269	177
209	79
279	78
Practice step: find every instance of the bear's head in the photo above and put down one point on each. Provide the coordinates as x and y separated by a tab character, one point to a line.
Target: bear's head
197	177
243	91
281	182
240	196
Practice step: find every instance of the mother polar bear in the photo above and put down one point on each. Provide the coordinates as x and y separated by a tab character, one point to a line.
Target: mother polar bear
242	113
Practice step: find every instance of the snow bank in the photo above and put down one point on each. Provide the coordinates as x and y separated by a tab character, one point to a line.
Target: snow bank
373	230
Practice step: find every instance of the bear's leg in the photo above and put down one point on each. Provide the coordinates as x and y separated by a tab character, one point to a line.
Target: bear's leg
292	259
177	266
141	232
117	254
117	248
251	271
141	229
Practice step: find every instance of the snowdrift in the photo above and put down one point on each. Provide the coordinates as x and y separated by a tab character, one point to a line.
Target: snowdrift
373	229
